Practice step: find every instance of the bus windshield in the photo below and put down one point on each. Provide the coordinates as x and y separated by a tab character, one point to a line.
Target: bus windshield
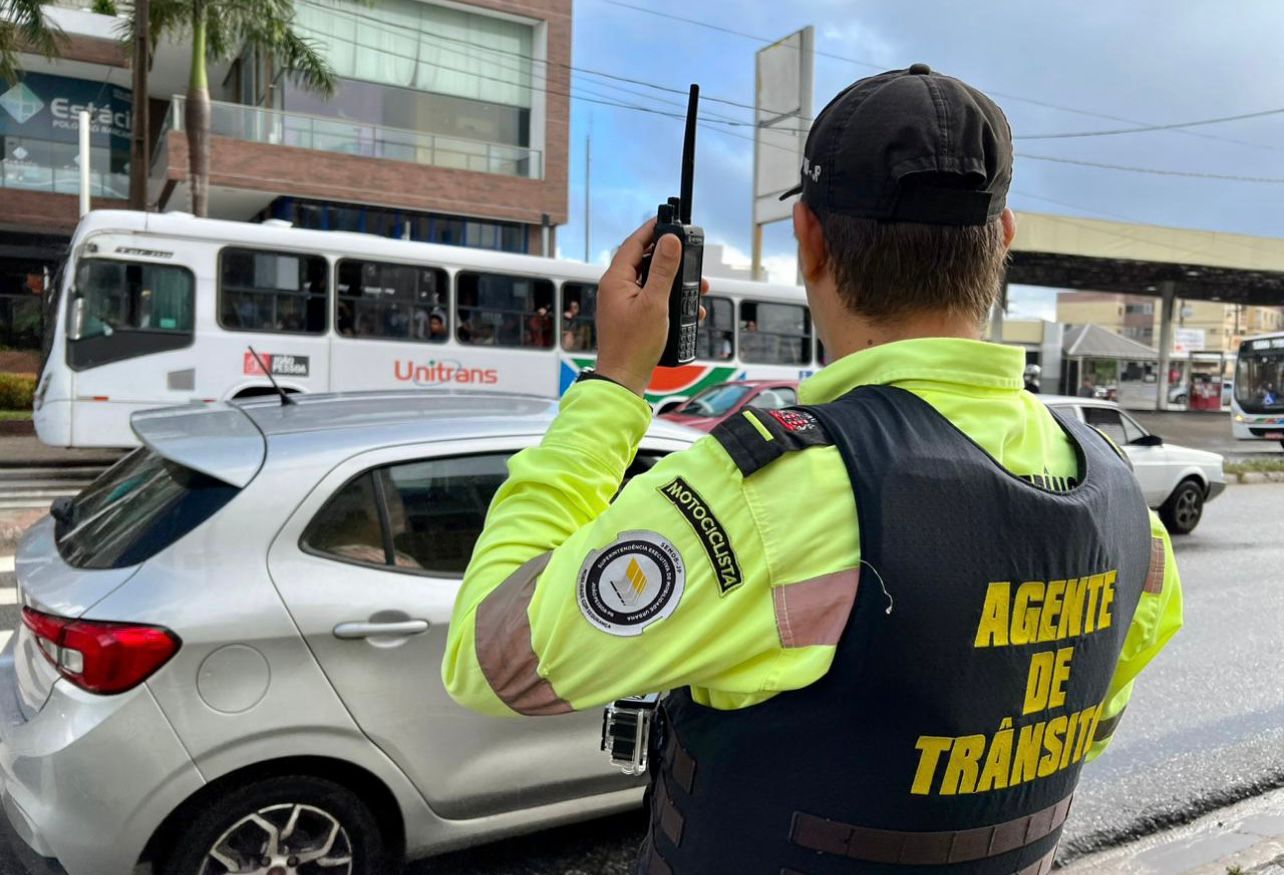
123	295
1259	375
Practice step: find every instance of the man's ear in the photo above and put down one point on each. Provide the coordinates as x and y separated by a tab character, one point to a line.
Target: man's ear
1009	227
813	255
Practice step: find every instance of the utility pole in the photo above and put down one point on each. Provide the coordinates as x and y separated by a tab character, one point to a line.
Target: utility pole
139	159
588	188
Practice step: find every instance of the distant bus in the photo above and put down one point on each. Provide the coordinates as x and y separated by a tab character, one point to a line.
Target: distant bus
1257	402
154	309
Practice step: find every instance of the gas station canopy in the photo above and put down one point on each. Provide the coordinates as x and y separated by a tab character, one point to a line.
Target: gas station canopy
1073	253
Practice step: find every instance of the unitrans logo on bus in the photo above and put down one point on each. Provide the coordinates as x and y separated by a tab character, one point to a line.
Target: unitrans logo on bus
436	373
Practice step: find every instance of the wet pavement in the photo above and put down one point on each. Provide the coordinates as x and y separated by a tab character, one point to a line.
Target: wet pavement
1206	724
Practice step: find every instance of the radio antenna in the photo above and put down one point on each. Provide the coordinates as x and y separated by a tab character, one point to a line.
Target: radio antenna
267	372
688	155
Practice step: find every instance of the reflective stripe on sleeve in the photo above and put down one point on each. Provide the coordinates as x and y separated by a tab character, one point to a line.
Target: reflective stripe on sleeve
814	612
504	650
1106	727
1155	576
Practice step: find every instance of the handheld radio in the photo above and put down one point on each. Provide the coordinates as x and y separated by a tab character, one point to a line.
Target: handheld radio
674	217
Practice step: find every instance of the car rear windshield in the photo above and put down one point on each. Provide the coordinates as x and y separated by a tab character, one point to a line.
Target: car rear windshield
715	401
134	510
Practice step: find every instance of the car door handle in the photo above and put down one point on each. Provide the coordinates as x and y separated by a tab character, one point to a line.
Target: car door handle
367	630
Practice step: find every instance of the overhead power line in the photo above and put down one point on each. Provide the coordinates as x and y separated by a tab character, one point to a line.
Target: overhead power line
712	123
1169	127
1179	128
1274	180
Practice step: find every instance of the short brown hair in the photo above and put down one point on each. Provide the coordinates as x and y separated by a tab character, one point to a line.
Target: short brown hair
888	269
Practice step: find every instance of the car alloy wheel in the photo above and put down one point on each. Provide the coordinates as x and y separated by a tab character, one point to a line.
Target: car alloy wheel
284	839
1184	508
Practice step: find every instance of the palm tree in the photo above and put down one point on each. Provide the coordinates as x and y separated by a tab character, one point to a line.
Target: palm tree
23	28
219	30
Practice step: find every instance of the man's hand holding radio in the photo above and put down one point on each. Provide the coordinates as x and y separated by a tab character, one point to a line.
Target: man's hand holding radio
633	319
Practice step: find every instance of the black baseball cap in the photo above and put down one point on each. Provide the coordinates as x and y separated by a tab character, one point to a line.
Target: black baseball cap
908	146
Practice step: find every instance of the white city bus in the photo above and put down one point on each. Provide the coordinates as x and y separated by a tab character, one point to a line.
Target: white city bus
162	308
1257	402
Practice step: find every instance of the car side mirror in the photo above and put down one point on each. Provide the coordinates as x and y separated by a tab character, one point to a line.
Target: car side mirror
1149	440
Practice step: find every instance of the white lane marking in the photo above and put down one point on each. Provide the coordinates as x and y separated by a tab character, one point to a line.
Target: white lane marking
8	595
6	564
4	637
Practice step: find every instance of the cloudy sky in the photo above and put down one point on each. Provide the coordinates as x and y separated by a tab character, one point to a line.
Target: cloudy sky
1140	62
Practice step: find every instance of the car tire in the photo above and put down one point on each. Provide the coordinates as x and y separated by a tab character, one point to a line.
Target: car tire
1184	508
232	825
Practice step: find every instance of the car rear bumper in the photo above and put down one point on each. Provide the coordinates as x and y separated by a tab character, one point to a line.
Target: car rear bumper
87	779
1215	488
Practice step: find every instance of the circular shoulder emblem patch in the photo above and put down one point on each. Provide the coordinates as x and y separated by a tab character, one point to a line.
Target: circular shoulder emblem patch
630	583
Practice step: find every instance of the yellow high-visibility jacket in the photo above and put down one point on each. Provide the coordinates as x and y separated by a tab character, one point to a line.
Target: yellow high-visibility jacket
536	630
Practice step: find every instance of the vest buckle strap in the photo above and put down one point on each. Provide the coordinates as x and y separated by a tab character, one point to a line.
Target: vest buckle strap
680	764
928	848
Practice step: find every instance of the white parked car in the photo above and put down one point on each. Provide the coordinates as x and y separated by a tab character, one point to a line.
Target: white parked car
1177	481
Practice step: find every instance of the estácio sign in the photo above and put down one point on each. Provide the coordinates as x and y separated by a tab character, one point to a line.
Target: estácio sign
45	107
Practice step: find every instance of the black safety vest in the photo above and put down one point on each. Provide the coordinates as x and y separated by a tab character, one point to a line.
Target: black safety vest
965	690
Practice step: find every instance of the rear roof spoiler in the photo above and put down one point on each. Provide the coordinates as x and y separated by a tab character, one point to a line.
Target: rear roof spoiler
220	441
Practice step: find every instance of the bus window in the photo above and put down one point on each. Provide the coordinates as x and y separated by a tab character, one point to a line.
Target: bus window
130	309
579	312
778	334
272	291
501	310
715	340
391	301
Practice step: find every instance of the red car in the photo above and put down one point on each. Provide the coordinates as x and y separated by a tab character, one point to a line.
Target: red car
710	407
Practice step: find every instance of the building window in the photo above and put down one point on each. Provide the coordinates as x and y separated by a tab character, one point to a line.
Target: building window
716	339
391	301
272	291
775	333
503	310
415	66
579	315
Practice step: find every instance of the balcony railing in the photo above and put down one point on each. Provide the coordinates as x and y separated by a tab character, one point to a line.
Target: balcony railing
261	125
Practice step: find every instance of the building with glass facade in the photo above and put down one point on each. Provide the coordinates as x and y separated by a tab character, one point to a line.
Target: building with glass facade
450	124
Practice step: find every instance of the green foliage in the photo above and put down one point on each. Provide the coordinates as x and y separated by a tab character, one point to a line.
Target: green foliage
17	391
105	7
24	28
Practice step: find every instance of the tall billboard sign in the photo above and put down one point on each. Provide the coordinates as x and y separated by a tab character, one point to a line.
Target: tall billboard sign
783	76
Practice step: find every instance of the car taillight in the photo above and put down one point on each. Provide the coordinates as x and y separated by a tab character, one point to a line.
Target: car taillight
101	657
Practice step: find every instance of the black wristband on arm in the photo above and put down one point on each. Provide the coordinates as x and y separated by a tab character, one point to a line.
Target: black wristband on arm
594	375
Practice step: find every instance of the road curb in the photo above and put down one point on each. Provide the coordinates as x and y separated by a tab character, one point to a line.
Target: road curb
1247	836
1249	477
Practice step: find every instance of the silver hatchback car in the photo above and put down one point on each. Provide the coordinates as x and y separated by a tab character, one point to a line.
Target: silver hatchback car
229	658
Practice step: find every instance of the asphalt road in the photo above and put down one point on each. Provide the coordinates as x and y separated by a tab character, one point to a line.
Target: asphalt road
1205	728
1206	723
